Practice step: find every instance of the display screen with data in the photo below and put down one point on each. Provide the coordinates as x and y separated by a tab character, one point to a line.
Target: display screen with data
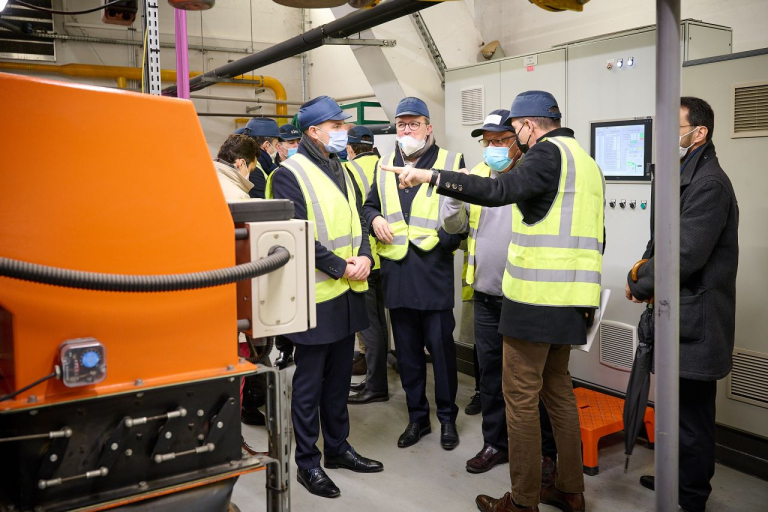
622	149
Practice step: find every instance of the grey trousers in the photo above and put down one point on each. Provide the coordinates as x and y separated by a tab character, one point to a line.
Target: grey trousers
376	336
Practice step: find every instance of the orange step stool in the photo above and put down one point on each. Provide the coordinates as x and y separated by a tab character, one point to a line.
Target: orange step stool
601	415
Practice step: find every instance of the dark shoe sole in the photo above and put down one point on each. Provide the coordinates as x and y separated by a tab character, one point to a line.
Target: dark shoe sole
476	471
422	433
449	447
331	465
306	486
472	412
479	507
370	400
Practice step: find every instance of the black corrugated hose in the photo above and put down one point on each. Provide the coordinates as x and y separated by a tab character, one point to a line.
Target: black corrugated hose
43	274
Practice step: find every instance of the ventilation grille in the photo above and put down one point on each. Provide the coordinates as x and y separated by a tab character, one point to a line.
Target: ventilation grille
617	345
747	382
20	44
472	105
750	110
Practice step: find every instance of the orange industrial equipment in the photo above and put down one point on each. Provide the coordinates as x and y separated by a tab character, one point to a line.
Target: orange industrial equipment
116	182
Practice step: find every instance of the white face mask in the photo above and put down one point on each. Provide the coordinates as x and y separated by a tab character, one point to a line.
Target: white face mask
409	145
684	150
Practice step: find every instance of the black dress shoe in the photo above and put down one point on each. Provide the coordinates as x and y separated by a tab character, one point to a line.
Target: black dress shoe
317	482
367	397
413	432
486	459
473	407
284	360
354	461
449	437
357	387
648	482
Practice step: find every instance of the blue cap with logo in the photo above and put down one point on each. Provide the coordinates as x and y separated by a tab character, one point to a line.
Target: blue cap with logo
289	132
411	106
533	104
494	122
356	133
260	127
319	110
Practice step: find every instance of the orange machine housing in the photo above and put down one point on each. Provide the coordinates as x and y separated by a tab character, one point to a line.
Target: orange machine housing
110	181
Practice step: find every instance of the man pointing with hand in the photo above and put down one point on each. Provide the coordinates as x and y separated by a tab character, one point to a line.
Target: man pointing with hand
551	288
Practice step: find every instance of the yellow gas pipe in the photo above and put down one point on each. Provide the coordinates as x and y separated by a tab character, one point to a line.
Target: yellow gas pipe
122	74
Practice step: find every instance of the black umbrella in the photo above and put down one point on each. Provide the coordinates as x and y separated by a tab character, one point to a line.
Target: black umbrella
640	379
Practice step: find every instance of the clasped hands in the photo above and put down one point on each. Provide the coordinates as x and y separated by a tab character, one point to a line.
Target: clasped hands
411	176
358	268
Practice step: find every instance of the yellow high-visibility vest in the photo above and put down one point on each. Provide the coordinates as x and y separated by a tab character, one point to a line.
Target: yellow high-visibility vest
336	221
475	211
558	260
421	231
363	171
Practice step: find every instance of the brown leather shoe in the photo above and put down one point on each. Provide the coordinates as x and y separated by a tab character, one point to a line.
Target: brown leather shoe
358	365
565	501
504	504
548	470
486	459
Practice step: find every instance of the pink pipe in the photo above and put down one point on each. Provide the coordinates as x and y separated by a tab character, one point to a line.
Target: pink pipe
182	54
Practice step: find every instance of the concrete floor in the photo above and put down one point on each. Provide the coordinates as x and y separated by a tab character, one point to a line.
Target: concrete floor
425	477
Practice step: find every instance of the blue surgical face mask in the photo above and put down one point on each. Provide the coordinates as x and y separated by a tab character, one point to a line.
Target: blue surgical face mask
497	158
337	141
292	151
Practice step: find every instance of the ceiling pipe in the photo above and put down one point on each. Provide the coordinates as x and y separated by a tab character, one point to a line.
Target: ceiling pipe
343	27
166	75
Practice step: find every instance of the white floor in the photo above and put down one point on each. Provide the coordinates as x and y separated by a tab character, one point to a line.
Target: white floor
425	477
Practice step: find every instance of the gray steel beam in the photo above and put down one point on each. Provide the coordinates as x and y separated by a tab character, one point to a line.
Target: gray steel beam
667	253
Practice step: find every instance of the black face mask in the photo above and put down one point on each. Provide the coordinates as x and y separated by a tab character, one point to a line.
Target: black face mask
524	147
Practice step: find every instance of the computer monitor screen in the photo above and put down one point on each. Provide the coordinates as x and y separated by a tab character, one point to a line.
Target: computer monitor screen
622	149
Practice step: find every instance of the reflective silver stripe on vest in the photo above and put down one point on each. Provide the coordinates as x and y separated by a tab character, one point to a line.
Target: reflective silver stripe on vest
363	178
472	235
321	276
421	222
564	240
450	158
394	217
553	276
322	228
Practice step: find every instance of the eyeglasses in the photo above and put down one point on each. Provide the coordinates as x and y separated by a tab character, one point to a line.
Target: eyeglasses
499	143
413	125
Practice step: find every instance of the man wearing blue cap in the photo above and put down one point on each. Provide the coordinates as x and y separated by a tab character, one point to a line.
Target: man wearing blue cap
288	143
417	273
265	132
361	166
551	289
323	193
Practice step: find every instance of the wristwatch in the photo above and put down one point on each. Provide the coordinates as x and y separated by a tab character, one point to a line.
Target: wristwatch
433	180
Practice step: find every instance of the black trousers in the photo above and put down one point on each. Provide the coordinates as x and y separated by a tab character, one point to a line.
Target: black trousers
283	344
376	336
697	442
320	390
413	330
489	345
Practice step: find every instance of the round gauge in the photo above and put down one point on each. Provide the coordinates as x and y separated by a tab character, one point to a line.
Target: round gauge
90	359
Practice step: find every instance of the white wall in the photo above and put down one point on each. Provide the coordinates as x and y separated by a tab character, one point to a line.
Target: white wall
522	27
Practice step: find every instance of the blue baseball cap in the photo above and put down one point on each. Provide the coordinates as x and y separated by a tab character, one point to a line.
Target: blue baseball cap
533	104
356	133
260	127
289	132
319	110
411	106
494	122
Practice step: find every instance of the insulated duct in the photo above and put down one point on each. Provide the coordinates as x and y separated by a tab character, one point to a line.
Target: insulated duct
343	27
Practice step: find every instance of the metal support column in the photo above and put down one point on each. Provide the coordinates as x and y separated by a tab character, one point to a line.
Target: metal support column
182	54
152	57
279	433
429	45
667	253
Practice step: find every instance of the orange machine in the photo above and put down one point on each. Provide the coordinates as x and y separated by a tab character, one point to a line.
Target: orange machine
115	182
